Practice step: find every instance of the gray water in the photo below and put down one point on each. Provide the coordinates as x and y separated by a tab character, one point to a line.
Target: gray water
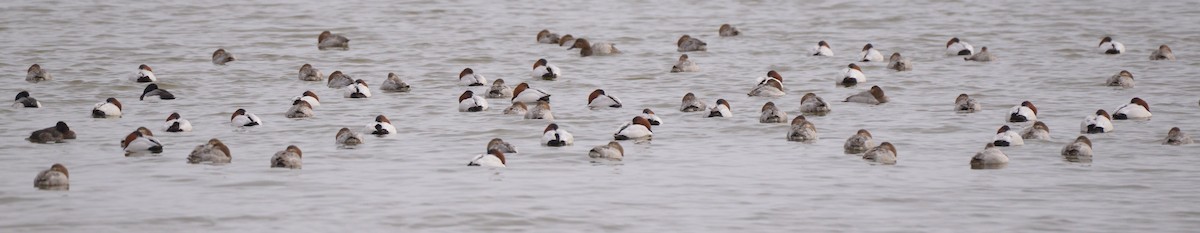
698	174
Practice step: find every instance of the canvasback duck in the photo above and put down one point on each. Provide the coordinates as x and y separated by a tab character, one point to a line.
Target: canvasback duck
310	97
1135	109
109	108
611	151
469	102
1006	137
24	100
821	49
768	87
989	157
358	90
546	37
524	93
1081	147
141	141
965	104
499	90
175	123
393	83
813	104
566	40
288	158
885	153
772	114
873	96
649	115
328	40
899	63
517	108
494	158
299	109
1163	53
308	73
599	99
636	129
1108	46
721	109
220	57
1038	131
500	145
599	48
55	134
555	136
692	104
1023	113
214	151
858	143
346	137
144	75
241	118
542	69
869	54
152	90
382	126
36	74
687	43
982	56
55	178
1100	122
1177	137
802	130
728	30
684	65
852	75
1121	79
540	111
955	47
337	79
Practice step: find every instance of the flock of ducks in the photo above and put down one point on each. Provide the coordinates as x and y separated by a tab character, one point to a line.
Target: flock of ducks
534	103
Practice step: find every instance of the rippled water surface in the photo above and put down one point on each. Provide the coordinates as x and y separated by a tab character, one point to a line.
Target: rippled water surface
698	174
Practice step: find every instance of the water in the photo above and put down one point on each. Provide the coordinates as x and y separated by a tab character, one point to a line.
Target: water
698	174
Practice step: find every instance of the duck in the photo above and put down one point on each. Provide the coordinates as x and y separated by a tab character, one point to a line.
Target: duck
141	141
688	43
636	129
241	118
175	123
499	144
1100	122
214	151
36	74
727	30
802	130
310	97
545	71
24	100
494	158
300	109
772	114
517	108
499	90
692	104
220	57
821	49
989	156
358	90
152	90
721	109
1135	109
393	83
1121	79
684	65
555	136
649	115
144	75
524	93
469	102
860	142
899	63
540	111
1006	137
982	56
288	158
1081	147
1024	112
328	40
346	137
109	108
308	73
566	40
55	178
869	54
610	151
965	104
813	104
1163	53
1108	46
382	126
1038	131
873	96
599	48
600	99
545	37
337	79
55	134
1177	137
769	87
852	75
956	47
885	153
